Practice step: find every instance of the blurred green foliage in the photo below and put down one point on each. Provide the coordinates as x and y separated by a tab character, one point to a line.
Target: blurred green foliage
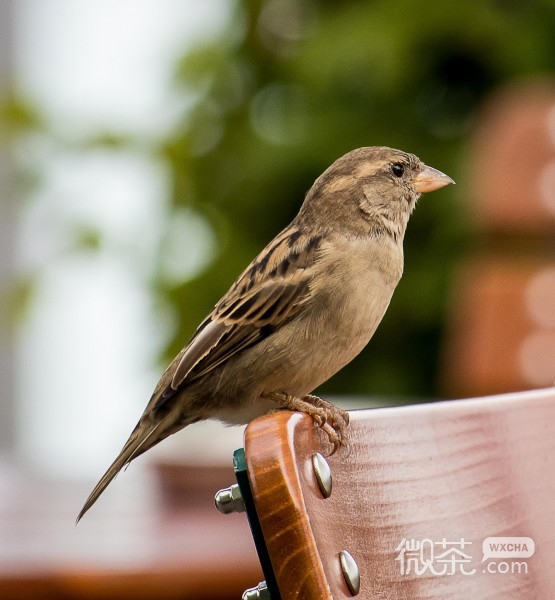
289	87
292	85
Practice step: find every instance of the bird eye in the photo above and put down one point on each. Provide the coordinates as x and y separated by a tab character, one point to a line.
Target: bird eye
397	169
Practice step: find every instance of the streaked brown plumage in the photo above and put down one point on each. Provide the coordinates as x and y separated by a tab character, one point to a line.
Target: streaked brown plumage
305	307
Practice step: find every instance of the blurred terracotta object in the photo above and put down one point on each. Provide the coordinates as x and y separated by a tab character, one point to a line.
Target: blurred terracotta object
187	484
512	160
420	488
501	335
501	332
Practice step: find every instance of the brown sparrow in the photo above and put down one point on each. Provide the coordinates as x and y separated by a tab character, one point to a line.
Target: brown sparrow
304	308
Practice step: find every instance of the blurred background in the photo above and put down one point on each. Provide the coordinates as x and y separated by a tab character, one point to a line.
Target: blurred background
150	149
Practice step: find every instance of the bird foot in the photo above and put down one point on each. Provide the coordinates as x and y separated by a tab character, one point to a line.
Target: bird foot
326	416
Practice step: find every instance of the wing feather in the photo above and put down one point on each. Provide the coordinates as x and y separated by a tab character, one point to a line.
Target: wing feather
270	291
199	347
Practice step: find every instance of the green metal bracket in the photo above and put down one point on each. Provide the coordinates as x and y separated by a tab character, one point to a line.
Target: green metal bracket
240	468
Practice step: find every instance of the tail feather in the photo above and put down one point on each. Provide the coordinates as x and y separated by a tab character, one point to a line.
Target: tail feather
139	441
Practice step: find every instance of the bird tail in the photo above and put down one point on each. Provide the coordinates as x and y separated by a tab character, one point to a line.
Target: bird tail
144	436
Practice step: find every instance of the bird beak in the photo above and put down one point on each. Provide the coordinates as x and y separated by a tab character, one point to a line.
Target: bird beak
430	179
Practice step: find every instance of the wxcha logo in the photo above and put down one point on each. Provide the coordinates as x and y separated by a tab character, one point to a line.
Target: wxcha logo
508	547
446	558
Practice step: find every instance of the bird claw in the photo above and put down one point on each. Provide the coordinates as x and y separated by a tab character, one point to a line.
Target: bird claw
337	435
331	420
326	416
335	421
320	420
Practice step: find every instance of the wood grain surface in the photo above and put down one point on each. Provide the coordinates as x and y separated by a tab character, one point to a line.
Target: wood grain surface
460	470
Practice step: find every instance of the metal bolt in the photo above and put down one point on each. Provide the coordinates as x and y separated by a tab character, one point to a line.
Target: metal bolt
229	500
323	474
350	572
260	592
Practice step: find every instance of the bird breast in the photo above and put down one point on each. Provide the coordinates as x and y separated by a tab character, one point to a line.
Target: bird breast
351	291
356	287
352	287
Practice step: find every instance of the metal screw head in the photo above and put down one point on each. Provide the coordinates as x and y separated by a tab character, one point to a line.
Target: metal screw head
229	500
350	571
260	592
323	474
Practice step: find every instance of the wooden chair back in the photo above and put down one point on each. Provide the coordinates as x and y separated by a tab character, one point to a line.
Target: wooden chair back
413	498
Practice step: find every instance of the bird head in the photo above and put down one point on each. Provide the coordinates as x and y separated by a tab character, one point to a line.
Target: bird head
372	190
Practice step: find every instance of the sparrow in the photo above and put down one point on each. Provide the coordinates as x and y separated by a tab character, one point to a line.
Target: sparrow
303	309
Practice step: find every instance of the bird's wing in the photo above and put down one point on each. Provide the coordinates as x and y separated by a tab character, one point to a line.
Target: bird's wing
269	293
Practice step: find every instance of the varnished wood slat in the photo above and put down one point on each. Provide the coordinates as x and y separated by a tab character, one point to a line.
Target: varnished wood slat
467	469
